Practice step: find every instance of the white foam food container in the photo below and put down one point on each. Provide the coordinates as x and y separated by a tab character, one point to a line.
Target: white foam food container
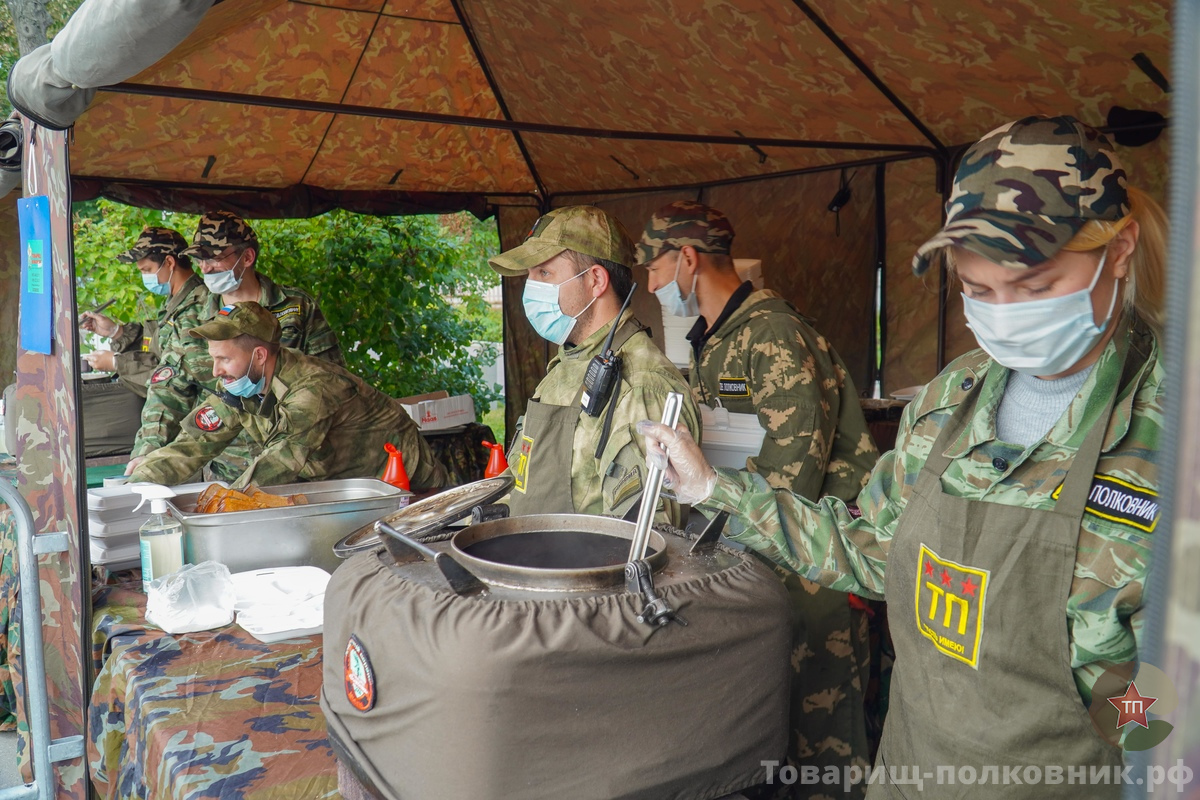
729	439
280	603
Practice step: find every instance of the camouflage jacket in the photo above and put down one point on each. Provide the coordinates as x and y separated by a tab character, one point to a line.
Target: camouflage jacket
317	422
612	484
175	388
766	359
1103	612
139	346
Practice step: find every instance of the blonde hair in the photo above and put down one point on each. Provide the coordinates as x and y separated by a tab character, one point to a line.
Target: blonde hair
1146	282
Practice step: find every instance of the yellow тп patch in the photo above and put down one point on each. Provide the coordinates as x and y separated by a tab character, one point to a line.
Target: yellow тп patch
950	605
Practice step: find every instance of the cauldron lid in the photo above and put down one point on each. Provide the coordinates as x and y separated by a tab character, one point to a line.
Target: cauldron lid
430	514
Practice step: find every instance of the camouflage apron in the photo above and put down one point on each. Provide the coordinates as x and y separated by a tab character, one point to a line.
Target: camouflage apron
977	596
545	446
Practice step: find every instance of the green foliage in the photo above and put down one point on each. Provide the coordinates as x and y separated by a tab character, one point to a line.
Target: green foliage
403	294
102	230
389	286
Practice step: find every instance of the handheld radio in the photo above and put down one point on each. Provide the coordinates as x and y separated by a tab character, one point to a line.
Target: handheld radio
604	371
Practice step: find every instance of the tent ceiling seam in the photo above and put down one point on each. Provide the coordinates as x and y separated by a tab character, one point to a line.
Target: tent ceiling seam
320	107
865	162
867	72
490	78
381	12
349	82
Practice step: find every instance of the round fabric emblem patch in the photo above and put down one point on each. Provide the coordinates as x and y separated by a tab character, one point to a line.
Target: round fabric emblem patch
207	419
162	374
360	678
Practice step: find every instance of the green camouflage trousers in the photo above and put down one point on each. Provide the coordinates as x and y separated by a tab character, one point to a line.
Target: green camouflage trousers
831	662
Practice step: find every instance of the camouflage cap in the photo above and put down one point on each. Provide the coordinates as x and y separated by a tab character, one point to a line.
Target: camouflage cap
1024	190
685	222
584	229
217	231
246	317
154	242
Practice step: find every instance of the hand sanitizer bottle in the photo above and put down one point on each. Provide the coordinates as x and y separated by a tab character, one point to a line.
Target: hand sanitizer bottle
160	537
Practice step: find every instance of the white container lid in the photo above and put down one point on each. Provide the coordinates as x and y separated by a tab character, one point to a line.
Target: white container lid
103	528
107	556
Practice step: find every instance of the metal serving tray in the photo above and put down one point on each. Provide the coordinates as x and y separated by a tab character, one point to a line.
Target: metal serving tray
290	536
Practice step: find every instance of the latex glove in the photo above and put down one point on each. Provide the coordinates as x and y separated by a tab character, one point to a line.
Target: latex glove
133	464
685	469
102	360
92	322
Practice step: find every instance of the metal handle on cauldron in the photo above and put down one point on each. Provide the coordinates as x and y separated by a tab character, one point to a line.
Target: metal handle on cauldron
459	578
654	481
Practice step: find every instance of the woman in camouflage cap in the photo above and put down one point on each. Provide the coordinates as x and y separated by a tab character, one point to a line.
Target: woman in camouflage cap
1010	529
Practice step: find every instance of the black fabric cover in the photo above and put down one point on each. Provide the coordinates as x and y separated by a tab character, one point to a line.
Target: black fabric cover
561	697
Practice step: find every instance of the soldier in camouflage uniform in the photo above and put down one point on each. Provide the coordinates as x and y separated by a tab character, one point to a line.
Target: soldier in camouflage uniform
311	420
564	459
137	347
758	355
1011	529
227	250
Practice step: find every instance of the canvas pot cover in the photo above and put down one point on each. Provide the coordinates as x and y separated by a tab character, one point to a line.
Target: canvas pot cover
558	697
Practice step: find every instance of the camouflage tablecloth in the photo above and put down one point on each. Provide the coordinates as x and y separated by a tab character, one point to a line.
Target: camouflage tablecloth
215	714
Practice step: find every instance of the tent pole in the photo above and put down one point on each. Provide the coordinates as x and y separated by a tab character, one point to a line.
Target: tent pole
318	107
867	72
487	74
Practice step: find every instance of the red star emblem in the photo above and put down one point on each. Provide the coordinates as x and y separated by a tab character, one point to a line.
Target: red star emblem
969	587
928	567
946	580
1132	707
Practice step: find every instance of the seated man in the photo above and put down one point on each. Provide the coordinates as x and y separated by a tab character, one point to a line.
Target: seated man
137	347
564	459
312	420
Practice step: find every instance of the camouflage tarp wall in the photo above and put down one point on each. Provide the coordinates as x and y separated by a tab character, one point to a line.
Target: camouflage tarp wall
48	447
10	276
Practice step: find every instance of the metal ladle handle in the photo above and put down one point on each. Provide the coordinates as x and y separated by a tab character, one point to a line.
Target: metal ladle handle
654	481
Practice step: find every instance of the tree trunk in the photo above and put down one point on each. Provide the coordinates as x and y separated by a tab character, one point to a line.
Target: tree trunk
31	20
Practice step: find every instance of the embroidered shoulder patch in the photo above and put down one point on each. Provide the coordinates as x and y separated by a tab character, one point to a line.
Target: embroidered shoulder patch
162	374
359	676
950	605
1116	500
287	311
206	419
733	387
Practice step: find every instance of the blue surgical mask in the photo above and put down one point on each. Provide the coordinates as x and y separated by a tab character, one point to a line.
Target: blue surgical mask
150	281
545	315
1039	337
672	298
227	281
244	387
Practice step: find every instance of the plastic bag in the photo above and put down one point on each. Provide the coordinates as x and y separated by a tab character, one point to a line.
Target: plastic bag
198	597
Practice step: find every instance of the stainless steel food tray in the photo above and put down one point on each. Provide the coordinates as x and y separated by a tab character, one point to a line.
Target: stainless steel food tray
301	535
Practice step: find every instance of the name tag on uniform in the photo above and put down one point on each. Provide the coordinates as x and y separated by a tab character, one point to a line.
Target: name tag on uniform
733	387
1113	499
521	465
950	600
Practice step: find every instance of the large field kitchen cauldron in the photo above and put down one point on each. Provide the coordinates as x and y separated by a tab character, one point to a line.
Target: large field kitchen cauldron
509	659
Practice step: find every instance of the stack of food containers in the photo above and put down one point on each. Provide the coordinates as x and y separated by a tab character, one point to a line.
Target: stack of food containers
113	524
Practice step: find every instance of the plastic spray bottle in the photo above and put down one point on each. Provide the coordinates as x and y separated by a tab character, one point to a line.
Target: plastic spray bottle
160	537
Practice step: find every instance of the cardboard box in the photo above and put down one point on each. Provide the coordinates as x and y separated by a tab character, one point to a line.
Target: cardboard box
437	411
